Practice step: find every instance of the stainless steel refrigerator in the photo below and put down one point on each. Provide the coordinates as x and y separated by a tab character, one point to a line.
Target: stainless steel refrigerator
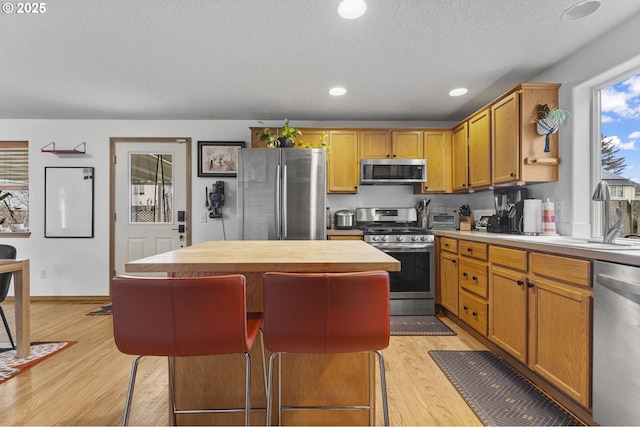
282	194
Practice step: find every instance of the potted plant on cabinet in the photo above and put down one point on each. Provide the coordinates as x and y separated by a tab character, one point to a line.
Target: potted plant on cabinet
283	137
549	120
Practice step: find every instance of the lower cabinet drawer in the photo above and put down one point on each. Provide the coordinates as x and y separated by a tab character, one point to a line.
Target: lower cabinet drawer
472	276
473	311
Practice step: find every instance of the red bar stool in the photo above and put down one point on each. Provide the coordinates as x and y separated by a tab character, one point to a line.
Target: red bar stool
326	313
180	317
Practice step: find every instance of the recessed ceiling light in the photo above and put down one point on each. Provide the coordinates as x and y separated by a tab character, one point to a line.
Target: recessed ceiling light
352	9
581	10
337	91
458	91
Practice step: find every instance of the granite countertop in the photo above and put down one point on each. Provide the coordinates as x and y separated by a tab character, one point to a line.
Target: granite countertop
547	244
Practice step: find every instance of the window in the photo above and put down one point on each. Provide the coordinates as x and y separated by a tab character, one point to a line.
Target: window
14	179
620	147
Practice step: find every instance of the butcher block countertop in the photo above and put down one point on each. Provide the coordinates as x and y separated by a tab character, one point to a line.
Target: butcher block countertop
544	244
241	256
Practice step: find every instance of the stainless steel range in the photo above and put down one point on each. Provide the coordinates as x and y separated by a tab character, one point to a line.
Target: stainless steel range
394	231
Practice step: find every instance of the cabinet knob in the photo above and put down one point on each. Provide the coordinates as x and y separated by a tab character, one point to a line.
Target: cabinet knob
453	261
529	285
474	278
520	282
474	314
512	174
469	250
465	308
446	245
388	155
464	274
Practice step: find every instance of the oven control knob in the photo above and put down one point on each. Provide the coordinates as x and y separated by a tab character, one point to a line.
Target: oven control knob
414	238
424	238
374	238
399	238
385	238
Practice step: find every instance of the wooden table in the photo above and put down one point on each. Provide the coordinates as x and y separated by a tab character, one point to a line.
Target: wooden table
22	309
310	379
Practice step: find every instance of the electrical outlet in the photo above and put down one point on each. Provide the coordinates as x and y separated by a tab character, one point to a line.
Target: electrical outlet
43	274
204	217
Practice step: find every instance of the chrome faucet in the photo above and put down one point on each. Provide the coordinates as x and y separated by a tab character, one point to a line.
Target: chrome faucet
601	194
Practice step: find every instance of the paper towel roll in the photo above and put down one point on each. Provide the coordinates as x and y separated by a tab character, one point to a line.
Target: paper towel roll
532	216
548	218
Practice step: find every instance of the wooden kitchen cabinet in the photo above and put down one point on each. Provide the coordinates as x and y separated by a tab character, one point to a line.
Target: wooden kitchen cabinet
560	300
517	149
374	144
508	312
343	162
472	281
407	144
479	142
385	144
448	289
535	306
459	158
437	152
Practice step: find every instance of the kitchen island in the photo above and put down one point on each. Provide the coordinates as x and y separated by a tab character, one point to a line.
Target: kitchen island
310	379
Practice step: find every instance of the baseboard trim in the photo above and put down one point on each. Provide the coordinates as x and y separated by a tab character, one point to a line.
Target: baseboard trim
77	298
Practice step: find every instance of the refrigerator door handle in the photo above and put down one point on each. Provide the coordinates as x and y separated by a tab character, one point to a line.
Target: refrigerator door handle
284	202
278	204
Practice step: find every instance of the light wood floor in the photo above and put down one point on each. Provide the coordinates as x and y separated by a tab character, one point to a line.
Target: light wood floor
86	383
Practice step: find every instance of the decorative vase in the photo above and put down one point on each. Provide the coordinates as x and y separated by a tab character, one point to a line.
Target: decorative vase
285	142
547	126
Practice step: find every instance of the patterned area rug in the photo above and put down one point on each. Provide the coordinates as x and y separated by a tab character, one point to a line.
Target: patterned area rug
419	325
105	310
10	366
498	394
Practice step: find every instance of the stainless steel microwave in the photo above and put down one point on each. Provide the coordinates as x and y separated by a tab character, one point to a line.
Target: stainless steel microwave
392	171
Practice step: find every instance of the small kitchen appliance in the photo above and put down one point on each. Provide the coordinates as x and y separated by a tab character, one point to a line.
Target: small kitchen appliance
396	232
444	220
509	203
345	220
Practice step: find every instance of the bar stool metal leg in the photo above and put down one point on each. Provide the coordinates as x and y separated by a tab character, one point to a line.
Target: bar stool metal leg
172	390
383	385
132	381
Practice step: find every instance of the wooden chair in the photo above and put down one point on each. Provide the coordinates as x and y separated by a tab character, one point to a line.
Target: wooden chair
180	317
326	313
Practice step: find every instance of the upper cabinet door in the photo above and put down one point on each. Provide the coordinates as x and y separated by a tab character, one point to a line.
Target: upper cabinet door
480	150
437	152
407	144
505	130
460	158
344	164
374	144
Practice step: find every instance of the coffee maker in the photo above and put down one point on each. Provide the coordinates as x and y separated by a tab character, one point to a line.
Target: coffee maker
509	203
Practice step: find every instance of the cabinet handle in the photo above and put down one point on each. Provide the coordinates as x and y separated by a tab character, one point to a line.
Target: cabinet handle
465	308
520	282
453	261
474	278
474	314
469	250
464	274
388	155
446	245
394	155
530	285
512	174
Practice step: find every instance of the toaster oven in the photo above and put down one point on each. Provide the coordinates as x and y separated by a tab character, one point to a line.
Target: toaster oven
444	220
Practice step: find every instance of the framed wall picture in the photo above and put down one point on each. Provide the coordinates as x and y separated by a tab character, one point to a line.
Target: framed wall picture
218	158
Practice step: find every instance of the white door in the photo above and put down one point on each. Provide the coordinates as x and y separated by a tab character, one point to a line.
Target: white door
150	200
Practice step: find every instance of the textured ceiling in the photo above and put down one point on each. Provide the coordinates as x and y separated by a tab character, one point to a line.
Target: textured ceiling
269	59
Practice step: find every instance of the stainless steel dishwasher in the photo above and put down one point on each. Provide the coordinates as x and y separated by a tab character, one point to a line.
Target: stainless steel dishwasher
616	344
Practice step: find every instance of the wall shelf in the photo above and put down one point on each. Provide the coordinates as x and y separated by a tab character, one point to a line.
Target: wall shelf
78	149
